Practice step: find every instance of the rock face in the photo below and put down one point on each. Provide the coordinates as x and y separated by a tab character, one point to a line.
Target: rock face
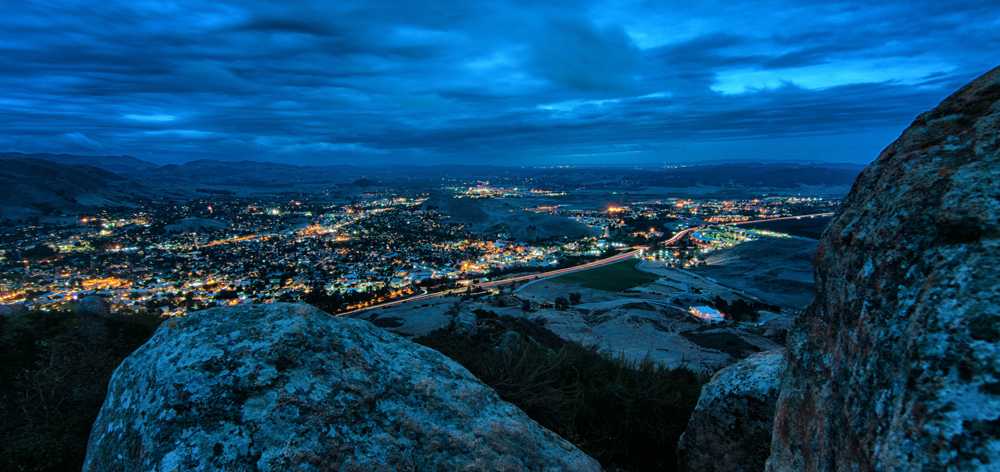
287	387
730	429
895	364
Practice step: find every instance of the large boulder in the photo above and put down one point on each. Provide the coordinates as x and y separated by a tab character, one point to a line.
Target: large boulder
895	364
730	428
288	387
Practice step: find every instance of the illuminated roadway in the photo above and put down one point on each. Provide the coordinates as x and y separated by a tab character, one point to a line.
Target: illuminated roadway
569	270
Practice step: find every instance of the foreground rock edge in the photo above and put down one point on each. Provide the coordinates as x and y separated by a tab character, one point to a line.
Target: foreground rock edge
285	386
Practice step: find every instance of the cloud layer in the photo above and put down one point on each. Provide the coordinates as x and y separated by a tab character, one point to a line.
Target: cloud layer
519	82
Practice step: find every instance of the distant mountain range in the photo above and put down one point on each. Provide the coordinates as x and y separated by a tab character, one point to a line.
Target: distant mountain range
779	175
38	184
125	165
248	173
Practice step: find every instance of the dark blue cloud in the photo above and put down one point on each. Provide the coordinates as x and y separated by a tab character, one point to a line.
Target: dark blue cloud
501	82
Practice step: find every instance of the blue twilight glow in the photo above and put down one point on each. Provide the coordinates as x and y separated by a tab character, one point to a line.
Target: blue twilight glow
500	82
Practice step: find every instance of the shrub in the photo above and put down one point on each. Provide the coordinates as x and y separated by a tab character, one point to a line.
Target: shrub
742	310
627	415
54	371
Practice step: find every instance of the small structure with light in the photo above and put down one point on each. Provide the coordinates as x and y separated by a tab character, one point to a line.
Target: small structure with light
707	314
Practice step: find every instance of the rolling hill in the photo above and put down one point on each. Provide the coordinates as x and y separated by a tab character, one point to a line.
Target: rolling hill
36	187
124	165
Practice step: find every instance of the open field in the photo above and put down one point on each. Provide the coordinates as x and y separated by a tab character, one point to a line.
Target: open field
776	270
612	278
806	228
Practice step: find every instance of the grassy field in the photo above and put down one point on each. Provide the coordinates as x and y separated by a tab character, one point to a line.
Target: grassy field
777	270
612	278
807	228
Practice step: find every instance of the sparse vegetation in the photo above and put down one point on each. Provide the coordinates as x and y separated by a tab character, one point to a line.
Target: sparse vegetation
723	341
54	370
743	310
627	415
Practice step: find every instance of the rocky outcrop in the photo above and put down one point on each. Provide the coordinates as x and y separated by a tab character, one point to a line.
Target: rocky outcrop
895	364
287	387
730	429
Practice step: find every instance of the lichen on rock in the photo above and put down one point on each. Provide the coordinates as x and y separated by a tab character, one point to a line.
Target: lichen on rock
730	429
896	364
288	387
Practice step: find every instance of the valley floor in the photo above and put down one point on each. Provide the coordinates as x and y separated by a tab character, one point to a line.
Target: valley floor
642	310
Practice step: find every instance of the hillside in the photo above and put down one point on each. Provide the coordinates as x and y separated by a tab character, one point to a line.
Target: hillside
123	165
33	187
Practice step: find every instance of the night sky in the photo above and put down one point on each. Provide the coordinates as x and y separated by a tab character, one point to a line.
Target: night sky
525	83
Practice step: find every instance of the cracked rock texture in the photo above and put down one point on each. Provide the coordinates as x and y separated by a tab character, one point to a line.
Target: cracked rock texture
730	428
288	387
895	364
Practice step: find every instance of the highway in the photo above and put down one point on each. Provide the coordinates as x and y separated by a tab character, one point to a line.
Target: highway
568	270
510	280
780	218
